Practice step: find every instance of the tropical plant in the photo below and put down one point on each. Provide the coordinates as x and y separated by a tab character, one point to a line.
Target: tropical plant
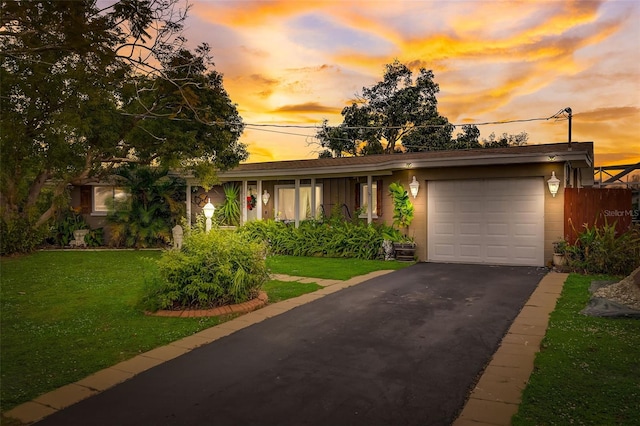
229	212
600	250
402	207
331	238
65	223
155	205
211	269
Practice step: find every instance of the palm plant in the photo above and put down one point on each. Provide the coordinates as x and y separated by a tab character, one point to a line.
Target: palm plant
154	206
229	212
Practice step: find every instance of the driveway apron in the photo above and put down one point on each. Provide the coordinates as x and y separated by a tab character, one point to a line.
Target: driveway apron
401	349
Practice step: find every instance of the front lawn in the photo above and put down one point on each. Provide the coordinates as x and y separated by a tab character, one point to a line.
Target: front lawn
66	315
588	370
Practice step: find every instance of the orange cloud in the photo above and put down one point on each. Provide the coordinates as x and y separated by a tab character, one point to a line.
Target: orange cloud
309	107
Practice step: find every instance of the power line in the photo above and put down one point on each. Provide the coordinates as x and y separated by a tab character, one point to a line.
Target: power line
559	116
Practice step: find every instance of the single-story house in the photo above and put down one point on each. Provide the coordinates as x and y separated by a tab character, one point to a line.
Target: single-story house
489	205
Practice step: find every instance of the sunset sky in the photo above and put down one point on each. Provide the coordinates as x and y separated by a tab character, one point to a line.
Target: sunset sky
299	62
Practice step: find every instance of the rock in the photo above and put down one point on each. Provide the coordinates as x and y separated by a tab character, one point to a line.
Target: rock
621	299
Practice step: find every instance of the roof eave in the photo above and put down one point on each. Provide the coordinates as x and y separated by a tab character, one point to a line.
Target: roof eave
577	158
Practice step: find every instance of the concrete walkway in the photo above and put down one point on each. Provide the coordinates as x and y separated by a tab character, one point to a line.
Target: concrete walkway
493	401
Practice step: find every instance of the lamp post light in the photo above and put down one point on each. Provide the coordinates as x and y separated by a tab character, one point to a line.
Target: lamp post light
208	210
414	186
554	184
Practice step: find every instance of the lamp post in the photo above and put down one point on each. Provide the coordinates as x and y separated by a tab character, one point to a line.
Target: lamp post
208	210
414	186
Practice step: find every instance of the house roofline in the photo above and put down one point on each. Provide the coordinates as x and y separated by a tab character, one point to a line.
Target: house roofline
581	155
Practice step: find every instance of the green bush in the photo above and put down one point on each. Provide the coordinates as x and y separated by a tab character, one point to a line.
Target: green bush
19	235
599	250
66	221
331	238
211	269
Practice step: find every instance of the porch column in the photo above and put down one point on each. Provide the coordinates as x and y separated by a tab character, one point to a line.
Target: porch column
314	208
243	202
188	204
259	189
296	205
369	199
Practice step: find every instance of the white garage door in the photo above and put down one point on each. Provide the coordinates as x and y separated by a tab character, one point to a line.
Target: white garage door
494	221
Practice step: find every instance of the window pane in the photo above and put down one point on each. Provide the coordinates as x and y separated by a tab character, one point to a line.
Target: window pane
286	202
364	196
102	196
108	197
285	207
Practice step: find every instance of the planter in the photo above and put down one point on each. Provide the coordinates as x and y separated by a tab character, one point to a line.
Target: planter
405	252
78	238
559	259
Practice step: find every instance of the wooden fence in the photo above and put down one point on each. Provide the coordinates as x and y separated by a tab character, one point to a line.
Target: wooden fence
595	207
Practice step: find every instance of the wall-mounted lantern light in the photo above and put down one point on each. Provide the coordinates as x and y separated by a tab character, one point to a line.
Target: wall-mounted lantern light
414	186
265	197
554	184
208	210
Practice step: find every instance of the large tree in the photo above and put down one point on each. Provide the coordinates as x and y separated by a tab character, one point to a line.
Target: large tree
398	109
83	89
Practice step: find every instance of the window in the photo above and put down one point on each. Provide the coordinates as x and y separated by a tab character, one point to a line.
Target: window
362	200
285	202
109	197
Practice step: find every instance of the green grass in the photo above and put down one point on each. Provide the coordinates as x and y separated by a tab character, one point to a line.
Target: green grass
283	290
588	370
66	315
329	268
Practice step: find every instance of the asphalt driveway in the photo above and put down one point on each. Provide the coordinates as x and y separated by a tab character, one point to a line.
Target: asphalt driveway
401	349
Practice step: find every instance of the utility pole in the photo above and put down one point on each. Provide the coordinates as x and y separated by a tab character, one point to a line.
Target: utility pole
568	111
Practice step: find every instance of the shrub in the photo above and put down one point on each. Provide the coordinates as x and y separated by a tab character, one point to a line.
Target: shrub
65	223
211	269
19	234
598	250
331	238
155	204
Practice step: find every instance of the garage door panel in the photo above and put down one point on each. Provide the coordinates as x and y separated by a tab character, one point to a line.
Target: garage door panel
471	229
444	250
470	250
498	229
498	221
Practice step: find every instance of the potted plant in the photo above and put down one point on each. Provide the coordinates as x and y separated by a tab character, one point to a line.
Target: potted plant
559	252
403	214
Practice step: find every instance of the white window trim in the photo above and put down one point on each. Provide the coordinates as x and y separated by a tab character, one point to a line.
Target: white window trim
364	207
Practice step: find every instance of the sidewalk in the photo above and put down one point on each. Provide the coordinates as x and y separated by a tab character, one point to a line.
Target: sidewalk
493	401
498	393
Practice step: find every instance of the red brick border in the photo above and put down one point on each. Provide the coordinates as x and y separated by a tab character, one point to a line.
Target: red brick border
240	308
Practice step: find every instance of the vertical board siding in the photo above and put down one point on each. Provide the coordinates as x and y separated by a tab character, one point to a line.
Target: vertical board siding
596	206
